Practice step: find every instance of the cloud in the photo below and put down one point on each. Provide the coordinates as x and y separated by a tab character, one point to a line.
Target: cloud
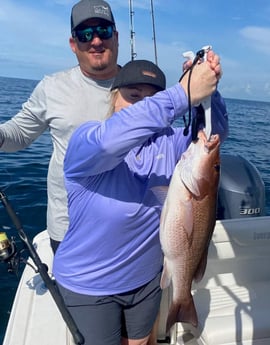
36	41
258	38
32	26
248	89
267	88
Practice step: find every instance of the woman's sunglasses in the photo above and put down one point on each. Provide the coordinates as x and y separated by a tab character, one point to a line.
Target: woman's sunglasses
104	32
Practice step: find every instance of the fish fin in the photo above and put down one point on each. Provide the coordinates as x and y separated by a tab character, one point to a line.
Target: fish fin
190	182
201	267
165	276
160	193
185	312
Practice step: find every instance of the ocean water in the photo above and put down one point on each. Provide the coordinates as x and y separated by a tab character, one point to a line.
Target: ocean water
23	174
23	180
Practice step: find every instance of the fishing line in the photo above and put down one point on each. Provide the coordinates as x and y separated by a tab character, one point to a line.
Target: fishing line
199	56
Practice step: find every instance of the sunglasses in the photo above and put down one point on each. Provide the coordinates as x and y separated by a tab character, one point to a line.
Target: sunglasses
104	32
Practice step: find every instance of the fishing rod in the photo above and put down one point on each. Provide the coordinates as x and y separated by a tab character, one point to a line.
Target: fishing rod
8	253
154	30
132	32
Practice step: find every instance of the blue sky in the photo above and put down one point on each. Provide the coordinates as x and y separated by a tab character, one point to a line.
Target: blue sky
35	33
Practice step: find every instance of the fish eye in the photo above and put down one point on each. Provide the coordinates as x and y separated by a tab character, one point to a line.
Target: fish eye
217	167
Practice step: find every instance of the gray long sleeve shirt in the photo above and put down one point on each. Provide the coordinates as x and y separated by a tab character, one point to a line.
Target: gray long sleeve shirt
60	103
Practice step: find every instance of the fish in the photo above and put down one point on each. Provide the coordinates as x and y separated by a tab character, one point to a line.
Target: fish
187	223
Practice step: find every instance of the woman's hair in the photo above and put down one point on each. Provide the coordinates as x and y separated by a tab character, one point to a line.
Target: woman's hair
113	97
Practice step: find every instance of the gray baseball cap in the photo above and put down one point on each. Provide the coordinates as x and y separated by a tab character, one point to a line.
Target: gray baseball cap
87	9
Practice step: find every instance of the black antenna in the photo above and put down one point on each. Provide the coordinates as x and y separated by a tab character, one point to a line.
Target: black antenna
154	30
132	32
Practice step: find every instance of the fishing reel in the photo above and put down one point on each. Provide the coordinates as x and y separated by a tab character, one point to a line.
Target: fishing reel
7	247
10	254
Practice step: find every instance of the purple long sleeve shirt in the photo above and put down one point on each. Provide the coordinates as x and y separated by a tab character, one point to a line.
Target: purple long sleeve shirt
111	172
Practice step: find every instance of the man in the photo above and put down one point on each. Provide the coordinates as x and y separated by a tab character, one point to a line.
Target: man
62	101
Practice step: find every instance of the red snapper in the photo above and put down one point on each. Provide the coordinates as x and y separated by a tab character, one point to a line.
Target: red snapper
187	223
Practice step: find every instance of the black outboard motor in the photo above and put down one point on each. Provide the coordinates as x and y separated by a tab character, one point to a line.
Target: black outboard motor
241	189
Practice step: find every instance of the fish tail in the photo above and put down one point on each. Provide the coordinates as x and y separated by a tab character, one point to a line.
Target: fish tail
184	312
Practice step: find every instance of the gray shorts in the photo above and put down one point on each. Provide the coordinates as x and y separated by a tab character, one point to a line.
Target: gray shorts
104	320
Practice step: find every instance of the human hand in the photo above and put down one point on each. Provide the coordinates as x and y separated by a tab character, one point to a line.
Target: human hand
214	62
204	79
187	64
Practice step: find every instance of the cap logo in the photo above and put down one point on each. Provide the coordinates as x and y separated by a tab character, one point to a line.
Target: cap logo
149	74
102	10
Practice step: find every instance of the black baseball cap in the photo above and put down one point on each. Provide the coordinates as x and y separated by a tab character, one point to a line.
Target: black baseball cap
140	72
87	9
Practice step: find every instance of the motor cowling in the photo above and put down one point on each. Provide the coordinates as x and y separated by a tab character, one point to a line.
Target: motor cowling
241	190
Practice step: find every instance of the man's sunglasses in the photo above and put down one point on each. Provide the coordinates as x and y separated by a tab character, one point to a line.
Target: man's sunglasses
104	32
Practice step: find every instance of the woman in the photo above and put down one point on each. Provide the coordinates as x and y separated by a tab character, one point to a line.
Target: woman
108	265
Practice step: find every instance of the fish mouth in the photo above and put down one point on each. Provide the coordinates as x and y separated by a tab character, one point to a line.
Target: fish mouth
211	143
206	145
202	136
